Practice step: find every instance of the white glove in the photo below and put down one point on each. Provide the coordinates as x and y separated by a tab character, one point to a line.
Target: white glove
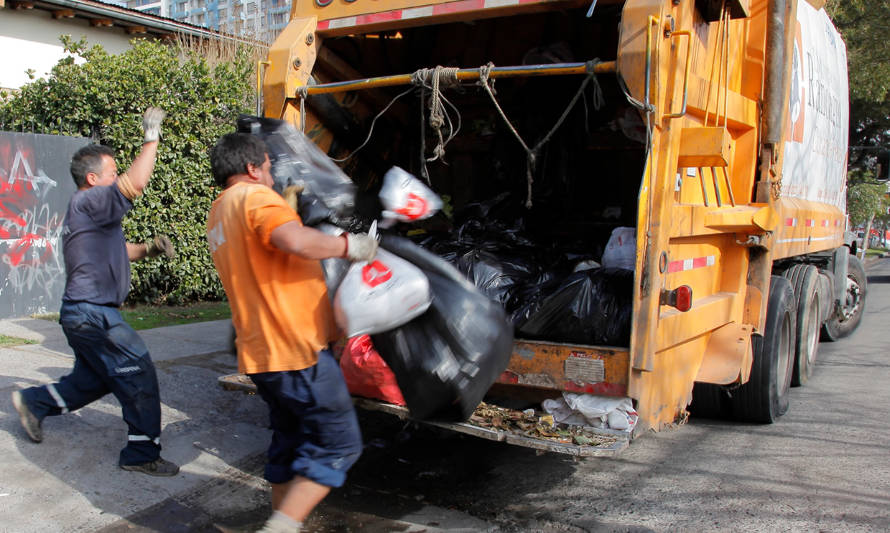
151	123
360	247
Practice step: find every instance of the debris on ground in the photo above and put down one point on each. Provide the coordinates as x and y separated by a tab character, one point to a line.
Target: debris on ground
530	424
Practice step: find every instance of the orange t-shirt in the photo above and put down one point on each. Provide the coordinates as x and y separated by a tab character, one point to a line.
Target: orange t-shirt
280	306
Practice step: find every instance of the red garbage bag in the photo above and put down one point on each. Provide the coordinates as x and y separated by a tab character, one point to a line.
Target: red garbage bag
367	374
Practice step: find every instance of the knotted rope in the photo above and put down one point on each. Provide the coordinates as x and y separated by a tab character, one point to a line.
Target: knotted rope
532	153
435	80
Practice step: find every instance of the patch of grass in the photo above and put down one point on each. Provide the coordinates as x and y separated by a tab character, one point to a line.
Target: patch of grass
156	316
875	251
6	341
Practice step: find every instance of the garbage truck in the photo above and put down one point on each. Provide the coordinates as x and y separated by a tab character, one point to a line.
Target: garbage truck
716	130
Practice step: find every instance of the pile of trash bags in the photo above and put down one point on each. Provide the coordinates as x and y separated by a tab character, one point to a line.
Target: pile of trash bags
551	291
438	313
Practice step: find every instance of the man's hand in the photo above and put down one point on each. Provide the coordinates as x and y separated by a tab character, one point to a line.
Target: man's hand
360	247
159	245
151	123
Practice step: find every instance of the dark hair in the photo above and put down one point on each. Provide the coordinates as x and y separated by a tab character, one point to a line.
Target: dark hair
88	159
232	153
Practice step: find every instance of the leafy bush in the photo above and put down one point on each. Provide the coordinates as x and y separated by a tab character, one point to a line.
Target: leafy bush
105	96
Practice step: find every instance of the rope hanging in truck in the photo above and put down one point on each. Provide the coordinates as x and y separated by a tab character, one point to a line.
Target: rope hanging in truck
433	79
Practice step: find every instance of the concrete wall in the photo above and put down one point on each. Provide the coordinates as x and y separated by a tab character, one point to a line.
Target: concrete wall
29	39
35	186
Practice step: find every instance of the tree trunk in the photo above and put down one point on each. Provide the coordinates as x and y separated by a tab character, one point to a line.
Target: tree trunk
867	238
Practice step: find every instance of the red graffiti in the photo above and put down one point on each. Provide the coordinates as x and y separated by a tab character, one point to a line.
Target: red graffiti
20	184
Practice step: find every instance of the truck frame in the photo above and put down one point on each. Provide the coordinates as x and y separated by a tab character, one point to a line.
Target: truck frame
735	183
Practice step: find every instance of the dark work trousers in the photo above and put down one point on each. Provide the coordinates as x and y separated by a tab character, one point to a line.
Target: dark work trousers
109	356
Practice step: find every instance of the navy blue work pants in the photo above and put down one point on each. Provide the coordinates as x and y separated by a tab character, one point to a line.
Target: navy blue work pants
109	357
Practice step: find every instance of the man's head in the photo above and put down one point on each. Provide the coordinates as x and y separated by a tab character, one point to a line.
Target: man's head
93	165
242	155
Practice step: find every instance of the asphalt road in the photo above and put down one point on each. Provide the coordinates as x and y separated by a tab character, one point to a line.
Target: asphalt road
825	466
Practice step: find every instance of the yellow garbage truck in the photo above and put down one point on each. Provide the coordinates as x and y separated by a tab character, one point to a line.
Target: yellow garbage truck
717	129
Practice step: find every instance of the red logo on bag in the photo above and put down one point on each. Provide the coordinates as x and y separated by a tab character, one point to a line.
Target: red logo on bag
415	207
375	273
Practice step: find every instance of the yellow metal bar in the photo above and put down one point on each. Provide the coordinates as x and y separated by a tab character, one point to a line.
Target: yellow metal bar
465	74
688	35
653	21
259	86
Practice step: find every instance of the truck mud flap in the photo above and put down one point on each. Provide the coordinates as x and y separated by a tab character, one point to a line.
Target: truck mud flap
609	443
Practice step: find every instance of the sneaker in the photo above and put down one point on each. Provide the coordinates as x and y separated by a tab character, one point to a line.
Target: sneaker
29	421
158	467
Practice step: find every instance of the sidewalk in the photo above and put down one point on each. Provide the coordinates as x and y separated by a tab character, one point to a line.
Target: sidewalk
71	481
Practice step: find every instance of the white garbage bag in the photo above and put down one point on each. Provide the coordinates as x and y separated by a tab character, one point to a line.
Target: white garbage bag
381	295
590	410
405	198
621	250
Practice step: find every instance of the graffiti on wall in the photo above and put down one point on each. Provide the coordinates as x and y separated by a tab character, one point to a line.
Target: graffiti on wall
35	186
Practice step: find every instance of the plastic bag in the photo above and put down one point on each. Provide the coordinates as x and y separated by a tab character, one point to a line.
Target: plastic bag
380	295
596	411
588	307
405	198
334	268
498	277
621	250
366	373
446	359
328	193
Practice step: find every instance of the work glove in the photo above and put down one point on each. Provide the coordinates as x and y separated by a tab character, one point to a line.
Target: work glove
151	123
292	196
159	245
360	247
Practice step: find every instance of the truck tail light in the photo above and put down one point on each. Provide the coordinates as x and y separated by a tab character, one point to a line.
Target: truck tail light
679	298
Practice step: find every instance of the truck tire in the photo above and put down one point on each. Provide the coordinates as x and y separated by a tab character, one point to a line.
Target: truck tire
843	323
805	280
709	401
764	398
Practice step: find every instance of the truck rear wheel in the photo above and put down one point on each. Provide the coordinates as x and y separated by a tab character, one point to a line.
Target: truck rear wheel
764	398
709	401
805	280
845	321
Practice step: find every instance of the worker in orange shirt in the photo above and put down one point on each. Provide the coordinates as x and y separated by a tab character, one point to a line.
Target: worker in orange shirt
269	266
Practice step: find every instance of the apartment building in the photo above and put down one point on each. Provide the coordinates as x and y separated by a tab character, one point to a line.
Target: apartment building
262	20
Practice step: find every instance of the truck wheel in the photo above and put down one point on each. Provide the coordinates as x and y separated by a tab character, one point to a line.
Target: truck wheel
764	398
844	322
709	401
805	280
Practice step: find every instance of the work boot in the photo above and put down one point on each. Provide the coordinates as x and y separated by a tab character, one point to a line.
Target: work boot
29	421
158	467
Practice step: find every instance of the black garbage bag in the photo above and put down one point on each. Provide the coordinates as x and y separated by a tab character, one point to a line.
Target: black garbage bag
589	307
328	193
500	277
446	359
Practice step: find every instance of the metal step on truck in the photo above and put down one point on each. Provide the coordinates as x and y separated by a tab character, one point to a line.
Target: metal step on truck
716	129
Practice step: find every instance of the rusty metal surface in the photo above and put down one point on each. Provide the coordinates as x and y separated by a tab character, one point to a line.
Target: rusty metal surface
569	367
616	441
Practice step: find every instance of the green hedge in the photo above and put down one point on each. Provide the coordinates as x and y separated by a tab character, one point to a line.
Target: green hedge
104	98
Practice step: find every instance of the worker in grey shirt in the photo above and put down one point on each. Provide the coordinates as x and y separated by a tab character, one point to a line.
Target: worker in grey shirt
109	355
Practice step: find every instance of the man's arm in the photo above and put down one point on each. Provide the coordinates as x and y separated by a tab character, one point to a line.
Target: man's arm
136	251
292	237
309	243
153	248
134	181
